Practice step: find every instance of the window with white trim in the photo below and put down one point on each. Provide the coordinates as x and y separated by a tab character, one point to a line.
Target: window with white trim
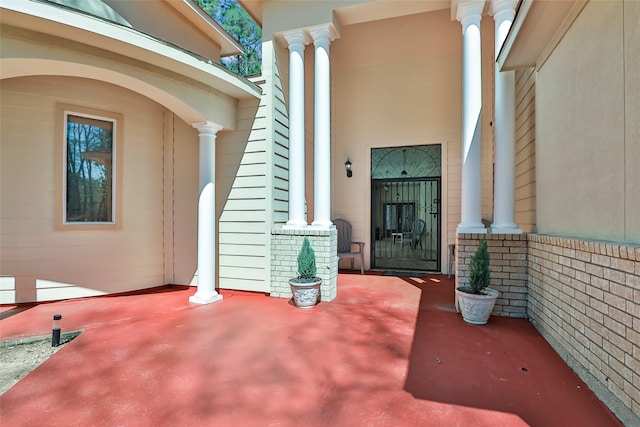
90	144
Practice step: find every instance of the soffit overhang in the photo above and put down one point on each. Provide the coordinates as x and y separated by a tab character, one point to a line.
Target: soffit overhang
385	9
97	33
364	11
194	14
254	9
537	28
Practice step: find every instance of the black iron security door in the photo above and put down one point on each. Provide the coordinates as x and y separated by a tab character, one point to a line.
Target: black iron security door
406	208
407	221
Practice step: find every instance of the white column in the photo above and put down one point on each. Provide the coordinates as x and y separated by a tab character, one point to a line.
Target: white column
470	15
297	40
206	292
322	37
503	12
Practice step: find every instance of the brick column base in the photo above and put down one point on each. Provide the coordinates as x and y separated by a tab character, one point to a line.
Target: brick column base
508	266
285	246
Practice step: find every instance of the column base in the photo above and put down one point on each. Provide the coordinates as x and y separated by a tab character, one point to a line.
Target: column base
322	225
205	297
295	226
504	230
471	229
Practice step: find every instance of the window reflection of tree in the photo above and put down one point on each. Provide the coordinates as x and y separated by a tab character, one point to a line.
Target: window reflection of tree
89	169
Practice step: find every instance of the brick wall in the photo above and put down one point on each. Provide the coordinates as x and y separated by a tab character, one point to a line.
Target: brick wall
285	246
584	297
508	265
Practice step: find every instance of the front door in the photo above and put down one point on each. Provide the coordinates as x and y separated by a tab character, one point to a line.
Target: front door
406	208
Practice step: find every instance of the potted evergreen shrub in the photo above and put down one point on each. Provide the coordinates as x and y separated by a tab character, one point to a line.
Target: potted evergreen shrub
476	300
306	287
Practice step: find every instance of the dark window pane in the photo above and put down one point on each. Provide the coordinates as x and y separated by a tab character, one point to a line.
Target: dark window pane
89	170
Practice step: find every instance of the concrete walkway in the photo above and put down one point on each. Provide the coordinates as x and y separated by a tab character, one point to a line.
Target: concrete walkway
387	351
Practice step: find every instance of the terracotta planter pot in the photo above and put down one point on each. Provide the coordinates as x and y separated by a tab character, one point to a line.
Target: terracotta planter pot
476	308
305	294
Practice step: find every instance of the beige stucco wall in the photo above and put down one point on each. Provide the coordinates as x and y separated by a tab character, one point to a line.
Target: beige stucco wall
632	124
588	148
395	82
398	82
77	263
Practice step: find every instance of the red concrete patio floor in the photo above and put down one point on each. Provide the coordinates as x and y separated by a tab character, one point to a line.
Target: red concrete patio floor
387	351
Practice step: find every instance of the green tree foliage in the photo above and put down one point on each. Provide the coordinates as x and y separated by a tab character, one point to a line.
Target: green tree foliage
480	274
306	261
237	22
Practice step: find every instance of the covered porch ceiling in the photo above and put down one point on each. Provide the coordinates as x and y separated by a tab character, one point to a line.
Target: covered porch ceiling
359	11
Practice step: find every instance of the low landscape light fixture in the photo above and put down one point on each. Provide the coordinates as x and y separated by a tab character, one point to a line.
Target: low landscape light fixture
347	166
55	332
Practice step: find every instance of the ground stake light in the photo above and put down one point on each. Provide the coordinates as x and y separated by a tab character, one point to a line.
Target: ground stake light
55	333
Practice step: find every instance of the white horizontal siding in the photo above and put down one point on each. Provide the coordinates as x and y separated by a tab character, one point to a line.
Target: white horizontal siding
243	169
241	227
242	249
240	261
252	173
255	275
525	191
243	284
243	216
250	182
244	193
280	154
247	238
33	254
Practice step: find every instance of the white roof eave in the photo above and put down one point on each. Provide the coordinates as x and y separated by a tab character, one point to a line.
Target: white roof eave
119	39
535	32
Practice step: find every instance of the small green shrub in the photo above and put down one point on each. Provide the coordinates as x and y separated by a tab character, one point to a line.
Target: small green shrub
480	274
306	261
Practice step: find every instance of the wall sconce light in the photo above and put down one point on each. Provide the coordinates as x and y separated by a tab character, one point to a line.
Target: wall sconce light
347	166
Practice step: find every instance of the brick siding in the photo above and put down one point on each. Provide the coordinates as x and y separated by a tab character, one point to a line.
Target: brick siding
285	246
584	297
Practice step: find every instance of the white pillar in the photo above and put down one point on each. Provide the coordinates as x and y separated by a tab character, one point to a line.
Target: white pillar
470	15
297	40
503	12
322	37
206	292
